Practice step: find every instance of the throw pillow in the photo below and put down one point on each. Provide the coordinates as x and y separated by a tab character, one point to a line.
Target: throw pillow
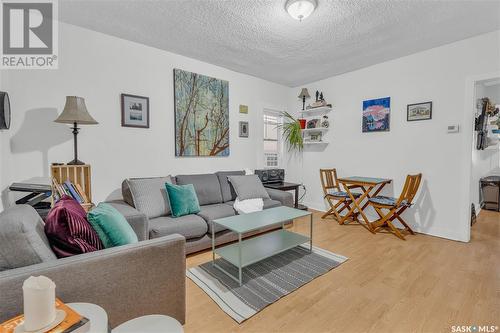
149	196
183	199
248	187
22	239
68	230
111	226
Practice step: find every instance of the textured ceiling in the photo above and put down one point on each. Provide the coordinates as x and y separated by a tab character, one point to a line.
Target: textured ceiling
259	38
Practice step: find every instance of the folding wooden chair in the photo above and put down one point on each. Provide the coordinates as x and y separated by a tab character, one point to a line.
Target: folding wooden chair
337	199
396	206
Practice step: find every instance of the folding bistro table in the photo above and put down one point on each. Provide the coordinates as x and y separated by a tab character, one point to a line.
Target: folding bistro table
370	187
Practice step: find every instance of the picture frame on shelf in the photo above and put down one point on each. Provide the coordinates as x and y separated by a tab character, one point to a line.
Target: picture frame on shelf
135	111
313	123
419	111
314	137
243	129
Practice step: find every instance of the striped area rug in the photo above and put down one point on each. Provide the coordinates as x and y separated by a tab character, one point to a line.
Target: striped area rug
264	282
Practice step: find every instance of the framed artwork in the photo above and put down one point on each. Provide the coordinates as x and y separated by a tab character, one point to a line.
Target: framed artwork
201	115
135	111
244	109
376	115
419	111
243	129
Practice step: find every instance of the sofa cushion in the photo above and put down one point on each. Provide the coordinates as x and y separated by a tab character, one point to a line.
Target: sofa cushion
270	203
248	187
189	226
22	239
213	212
68	230
111	226
148	195
226	188
183	199
207	187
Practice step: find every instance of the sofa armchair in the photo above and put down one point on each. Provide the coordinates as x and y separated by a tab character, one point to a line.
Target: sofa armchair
141	196
127	281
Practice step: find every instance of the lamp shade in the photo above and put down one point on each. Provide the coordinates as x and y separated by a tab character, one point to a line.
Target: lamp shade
304	93
75	111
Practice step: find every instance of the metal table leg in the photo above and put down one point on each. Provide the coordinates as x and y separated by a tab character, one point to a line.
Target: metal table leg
311	233
239	259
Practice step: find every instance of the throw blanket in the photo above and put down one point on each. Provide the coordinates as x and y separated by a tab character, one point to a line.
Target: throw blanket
248	206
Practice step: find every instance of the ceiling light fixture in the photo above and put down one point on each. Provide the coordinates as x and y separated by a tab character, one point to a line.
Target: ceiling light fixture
300	9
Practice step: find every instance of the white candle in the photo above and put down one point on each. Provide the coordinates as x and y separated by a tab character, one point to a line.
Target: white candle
39	302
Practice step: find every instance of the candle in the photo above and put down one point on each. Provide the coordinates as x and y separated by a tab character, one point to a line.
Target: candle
39	302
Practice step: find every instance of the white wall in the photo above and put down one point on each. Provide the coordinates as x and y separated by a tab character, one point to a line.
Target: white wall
99	68
493	92
437	75
483	161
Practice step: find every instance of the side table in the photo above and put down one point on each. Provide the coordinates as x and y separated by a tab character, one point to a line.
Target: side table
95	314
285	186
150	324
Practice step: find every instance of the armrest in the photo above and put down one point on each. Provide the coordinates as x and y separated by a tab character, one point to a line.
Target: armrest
137	220
127	281
286	198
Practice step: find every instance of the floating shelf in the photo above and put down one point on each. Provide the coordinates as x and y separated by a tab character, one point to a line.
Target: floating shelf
320	111
316	142
315	130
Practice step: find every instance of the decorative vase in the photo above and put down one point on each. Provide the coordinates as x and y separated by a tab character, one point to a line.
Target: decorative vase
302	123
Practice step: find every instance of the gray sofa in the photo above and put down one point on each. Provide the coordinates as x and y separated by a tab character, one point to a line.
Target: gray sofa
127	281
146	208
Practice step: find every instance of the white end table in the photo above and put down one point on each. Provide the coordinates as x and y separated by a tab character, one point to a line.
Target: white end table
95	314
150	324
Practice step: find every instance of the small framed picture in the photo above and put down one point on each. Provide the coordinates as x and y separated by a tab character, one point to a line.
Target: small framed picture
243	109
419	111
135	111
243	129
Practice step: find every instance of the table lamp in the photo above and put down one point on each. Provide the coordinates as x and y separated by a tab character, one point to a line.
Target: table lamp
75	112
304	94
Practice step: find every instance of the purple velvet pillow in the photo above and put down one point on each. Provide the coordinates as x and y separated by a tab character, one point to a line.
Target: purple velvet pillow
68	230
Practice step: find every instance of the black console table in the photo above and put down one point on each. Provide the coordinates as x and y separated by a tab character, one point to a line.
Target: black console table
285	186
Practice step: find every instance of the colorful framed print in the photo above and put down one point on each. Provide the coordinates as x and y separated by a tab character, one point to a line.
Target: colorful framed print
376	115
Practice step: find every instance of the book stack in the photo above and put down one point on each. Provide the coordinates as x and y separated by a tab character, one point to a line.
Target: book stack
73	322
68	188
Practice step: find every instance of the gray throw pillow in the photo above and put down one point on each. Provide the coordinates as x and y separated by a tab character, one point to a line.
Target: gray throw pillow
248	187
22	238
150	196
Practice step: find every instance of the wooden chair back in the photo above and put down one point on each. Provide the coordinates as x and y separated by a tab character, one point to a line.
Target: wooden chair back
410	189
329	180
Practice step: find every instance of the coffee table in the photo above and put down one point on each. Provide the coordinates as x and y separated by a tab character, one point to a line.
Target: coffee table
255	249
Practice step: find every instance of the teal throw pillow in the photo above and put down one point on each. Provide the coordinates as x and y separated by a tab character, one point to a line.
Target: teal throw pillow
111	226
183	199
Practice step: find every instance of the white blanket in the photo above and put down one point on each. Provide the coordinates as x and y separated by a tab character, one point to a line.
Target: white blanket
248	206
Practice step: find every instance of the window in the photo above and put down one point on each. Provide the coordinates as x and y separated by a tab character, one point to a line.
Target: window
272	142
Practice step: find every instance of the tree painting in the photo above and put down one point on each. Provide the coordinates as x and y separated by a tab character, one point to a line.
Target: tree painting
201	115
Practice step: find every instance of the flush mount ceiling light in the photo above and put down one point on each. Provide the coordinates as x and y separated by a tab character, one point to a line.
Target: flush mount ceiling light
300	9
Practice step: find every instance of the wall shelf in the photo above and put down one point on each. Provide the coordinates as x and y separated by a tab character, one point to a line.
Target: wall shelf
315	130
315	112
316	142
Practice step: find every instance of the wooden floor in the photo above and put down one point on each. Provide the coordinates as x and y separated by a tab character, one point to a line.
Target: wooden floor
423	284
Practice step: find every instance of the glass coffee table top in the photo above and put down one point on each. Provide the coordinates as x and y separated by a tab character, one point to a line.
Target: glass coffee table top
253	221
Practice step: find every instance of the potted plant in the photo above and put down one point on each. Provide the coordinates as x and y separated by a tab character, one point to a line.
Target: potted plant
292	132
